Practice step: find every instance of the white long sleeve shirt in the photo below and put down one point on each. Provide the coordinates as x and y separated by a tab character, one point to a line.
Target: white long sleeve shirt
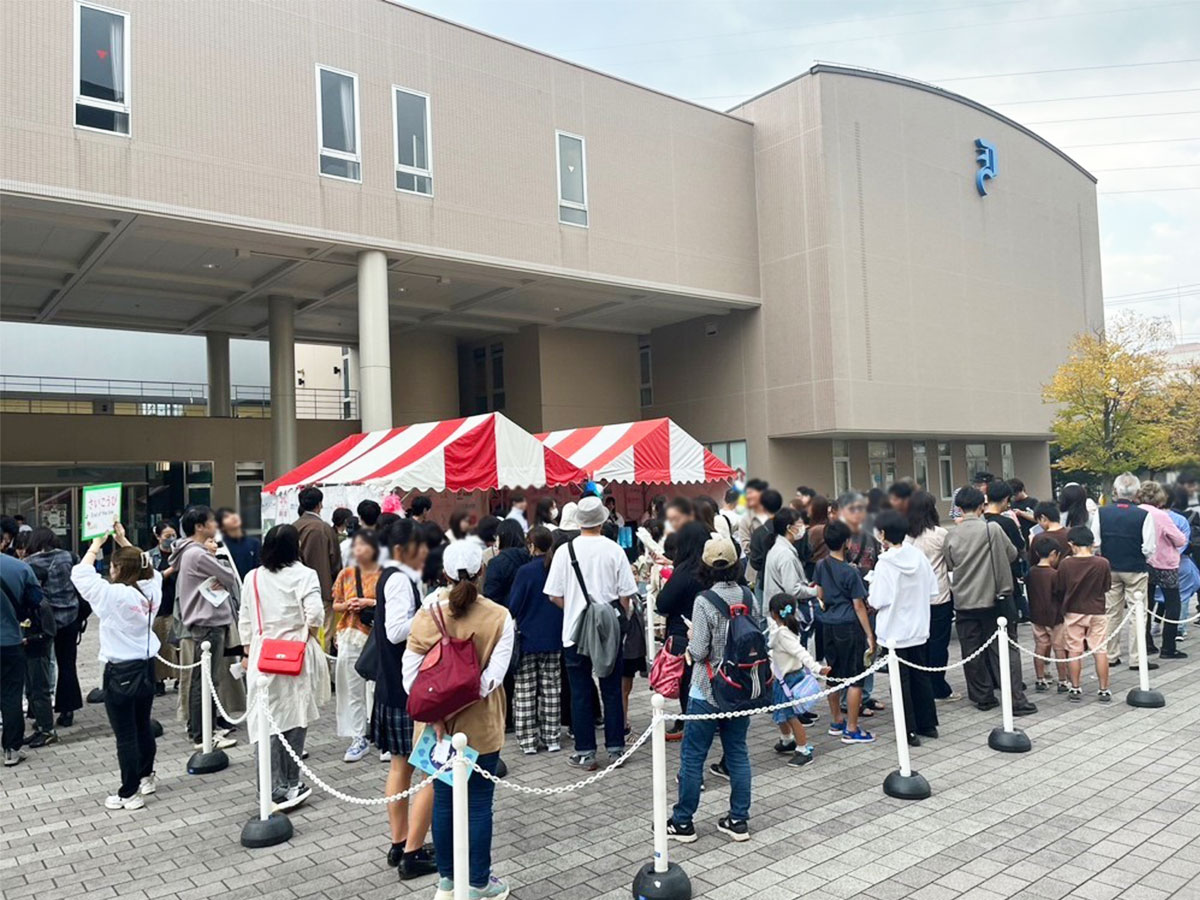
788	654
126	613
401	601
493	673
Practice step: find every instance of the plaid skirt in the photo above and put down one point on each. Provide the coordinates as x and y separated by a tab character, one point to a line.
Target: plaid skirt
392	729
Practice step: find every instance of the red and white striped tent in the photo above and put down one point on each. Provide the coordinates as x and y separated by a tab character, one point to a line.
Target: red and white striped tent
654	451
484	452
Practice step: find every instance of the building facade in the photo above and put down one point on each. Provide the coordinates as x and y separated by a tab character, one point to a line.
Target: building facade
851	277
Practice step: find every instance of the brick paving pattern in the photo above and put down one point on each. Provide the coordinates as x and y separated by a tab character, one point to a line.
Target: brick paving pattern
1107	805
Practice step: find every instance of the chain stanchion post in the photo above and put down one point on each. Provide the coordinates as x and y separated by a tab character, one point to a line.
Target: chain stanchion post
206	759
661	879
462	858
1142	696
270	827
904	783
1007	738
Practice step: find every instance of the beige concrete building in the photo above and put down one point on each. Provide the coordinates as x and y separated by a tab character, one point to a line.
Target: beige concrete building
814	282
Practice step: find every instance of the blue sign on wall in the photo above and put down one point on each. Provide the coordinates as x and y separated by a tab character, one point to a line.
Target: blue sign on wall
986	157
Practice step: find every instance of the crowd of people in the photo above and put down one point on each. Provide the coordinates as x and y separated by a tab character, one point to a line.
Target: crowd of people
554	609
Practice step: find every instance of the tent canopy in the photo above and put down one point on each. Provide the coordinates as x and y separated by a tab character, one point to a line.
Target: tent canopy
481	452
654	451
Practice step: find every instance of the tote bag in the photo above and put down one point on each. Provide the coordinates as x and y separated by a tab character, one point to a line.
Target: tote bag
448	680
275	655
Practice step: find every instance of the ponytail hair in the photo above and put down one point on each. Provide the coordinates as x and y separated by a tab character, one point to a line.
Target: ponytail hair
780	523
462	594
130	565
784	606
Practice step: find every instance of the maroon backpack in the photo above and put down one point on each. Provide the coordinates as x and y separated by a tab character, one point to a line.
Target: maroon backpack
448	681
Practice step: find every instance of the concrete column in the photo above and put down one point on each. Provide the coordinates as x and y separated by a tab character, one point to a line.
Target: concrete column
220	401
374	348
281	331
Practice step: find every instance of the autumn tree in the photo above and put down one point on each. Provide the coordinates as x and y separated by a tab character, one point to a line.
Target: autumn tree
1181	410
1112	413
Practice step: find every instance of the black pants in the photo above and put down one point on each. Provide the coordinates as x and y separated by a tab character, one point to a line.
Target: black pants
1172	606
12	689
216	636
937	648
920	712
983	672
67	696
130	721
37	687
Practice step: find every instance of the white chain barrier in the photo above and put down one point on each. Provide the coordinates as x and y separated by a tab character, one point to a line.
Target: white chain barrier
958	665
167	662
1166	621
567	788
212	692
1090	652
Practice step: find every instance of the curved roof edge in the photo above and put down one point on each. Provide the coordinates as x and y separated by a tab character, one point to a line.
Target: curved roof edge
857	72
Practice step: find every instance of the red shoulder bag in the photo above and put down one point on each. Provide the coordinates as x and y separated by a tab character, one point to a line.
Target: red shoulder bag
277	656
448	680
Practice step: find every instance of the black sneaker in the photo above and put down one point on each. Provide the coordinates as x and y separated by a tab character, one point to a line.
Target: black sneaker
739	830
66	720
585	761
418	864
1150	667
1178	654
395	853
41	739
782	746
809	718
987	705
802	757
1027	710
719	769
684	833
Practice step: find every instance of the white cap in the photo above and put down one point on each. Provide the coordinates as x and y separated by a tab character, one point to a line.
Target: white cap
460	556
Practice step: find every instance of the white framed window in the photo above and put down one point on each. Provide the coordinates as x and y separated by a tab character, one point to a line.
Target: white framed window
102	71
920	465
338	137
571	159
198	481
1008	468
977	459
732	453
882	457
946	470
412	129
250	477
841	467
646	394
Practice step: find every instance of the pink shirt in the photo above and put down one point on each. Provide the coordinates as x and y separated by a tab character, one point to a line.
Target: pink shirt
1170	539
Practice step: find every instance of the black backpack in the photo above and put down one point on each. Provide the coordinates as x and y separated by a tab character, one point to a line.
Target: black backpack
742	680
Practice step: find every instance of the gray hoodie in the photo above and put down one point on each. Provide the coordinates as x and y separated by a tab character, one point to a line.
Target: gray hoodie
973	553
195	565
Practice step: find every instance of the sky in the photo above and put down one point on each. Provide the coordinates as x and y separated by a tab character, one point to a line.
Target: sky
1143	146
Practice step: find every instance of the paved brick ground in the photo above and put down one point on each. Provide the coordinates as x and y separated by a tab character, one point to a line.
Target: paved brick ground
1107	805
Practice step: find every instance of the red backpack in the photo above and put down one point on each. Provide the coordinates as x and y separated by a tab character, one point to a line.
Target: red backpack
667	671
448	681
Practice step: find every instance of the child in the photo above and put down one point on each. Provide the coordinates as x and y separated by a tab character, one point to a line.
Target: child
1045	609
845	631
790	660
1082	580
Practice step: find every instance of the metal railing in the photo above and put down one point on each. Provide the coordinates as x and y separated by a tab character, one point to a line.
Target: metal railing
129	397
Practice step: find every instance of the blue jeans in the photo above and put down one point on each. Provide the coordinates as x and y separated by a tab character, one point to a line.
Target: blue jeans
697	739
583	710
479	823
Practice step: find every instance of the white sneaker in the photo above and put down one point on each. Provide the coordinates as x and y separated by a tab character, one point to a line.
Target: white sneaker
532	751
219	743
384	756
553	748
357	750
296	795
13	757
953	697
116	801
149	785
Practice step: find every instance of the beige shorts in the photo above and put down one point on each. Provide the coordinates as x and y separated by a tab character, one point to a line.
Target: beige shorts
1052	637
1079	627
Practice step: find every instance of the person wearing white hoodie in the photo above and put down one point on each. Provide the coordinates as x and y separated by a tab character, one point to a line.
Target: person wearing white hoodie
902	587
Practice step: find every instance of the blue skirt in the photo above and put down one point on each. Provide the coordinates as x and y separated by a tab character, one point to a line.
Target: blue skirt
798	685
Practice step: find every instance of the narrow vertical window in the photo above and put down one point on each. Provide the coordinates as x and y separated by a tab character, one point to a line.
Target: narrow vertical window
572	180
410	115
946	470
841	467
920	465
337	124
1008	468
647	382
101	69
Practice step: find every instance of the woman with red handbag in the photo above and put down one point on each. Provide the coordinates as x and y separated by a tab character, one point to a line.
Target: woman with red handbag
281	610
459	633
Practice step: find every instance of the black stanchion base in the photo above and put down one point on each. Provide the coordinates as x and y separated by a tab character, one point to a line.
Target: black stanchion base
501	768
202	763
672	884
1145	699
156	728
906	787
1015	741
267	832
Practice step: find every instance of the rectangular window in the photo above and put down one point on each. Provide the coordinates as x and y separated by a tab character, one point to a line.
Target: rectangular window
882	456
337	124
1007	467
977	460
414	166
198	484
101	69
841	467
920	465
250	478
497	387
946	470
647	383
732	453
479	381
572	180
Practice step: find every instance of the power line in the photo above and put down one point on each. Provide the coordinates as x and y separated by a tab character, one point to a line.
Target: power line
1172	290
1182	112
1089	97
1143	168
1125	143
1166	298
1161	62
1152	190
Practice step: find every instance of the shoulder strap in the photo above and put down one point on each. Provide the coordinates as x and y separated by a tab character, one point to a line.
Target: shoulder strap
439	618
358	581
257	603
578	571
718	603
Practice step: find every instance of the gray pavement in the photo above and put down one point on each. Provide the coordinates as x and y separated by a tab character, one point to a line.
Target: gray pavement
1107	805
